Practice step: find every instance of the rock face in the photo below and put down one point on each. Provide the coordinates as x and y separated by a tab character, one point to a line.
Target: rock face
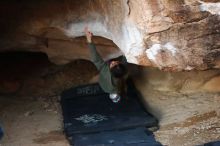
172	35
185	103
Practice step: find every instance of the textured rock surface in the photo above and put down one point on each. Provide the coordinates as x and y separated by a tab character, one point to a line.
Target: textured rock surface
186	104
172	35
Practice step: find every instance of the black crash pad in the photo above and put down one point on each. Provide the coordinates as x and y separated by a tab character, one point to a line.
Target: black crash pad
215	143
92	119
1	133
127	137
87	109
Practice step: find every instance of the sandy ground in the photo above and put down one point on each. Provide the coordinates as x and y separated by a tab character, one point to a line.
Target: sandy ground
32	122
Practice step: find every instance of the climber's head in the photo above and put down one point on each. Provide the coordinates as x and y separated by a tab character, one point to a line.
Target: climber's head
117	69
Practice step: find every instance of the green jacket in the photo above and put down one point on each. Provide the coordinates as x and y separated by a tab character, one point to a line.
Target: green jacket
107	82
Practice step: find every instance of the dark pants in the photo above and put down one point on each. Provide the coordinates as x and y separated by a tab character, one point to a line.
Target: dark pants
1	133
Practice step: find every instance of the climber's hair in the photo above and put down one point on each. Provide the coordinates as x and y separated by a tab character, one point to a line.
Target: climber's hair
119	70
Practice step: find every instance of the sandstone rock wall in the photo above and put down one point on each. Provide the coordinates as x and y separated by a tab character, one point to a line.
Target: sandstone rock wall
178	82
172	35
185	103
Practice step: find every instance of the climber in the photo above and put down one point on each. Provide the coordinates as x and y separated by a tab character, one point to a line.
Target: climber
112	74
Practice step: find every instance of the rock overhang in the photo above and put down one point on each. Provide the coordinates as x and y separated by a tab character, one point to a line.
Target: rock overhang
170	35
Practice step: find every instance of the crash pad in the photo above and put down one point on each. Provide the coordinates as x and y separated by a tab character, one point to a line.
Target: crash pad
215	143
88	109
89	115
1	132
127	137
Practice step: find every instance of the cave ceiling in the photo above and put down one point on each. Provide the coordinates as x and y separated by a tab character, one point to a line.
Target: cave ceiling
172	35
